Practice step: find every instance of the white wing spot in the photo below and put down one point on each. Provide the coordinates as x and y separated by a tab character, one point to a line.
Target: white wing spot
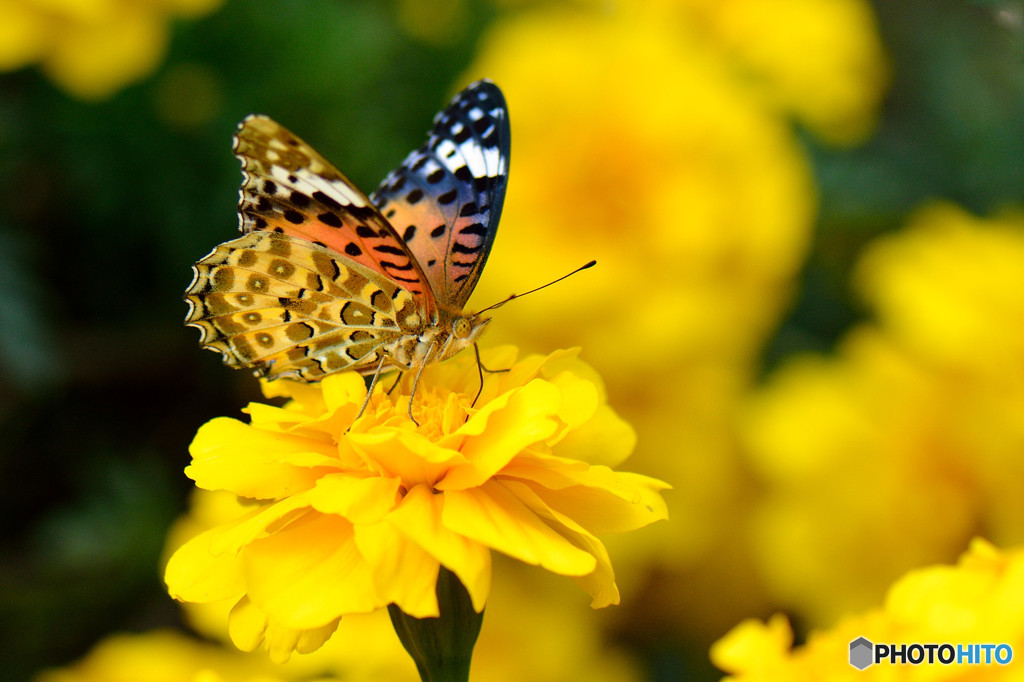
494	160
450	155
347	192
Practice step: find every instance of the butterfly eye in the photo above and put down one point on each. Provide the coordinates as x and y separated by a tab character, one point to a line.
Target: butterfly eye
461	328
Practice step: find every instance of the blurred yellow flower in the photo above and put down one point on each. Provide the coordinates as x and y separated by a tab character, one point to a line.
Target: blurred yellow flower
979	600
893	453
862	476
90	48
350	515
162	656
437	23
695	202
822	60
948	288
537	630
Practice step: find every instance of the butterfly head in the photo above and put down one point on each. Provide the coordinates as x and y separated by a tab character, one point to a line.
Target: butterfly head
463	333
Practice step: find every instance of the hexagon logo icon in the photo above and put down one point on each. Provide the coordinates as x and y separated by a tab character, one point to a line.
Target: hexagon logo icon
861	653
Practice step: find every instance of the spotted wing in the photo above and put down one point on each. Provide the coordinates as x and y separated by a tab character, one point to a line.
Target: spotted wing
291	189
287	307
446	197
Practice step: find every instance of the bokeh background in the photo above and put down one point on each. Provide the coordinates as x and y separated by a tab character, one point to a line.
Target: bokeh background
809	222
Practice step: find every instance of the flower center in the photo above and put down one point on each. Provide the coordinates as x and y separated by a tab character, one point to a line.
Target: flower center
437	410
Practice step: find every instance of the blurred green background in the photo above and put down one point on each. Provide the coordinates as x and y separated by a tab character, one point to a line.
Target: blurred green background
106	199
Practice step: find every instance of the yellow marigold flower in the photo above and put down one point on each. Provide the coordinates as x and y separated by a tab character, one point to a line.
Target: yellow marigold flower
560	644
979	600
350	515
91	48
930	401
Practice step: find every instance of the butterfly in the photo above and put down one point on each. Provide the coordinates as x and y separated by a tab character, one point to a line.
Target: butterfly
326	279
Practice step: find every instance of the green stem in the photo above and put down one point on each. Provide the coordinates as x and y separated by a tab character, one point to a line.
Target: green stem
441	647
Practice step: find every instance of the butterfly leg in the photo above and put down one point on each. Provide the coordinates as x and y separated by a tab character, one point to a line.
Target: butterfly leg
401	373
480	368
369	391
480	373
480	364
416	379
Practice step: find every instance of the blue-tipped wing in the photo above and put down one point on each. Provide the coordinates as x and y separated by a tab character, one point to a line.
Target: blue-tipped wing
446	197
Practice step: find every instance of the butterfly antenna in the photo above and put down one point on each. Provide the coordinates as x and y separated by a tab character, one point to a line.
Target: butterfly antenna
543	286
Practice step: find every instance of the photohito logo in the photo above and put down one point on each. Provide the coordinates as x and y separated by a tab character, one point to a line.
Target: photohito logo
863	653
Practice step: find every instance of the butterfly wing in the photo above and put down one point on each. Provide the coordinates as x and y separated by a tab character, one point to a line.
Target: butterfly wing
287	307
446	197
289	188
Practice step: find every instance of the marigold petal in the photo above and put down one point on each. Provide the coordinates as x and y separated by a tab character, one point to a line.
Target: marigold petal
418	517
230	455
493	516
195	573
404	574
599	583
502	429
205	568
569	361
341	396
295	419
597	435
405	455
272	417
311	639
309	396
753	645
249	627
237	533
598	498
246	625
281	641
605	439
309	573
358	499
531	367
340	390
580	399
